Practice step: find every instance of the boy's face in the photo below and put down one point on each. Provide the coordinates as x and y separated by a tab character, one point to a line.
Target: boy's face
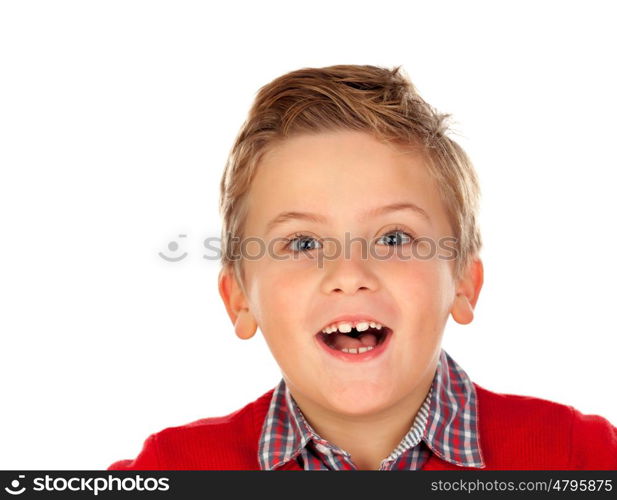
340	176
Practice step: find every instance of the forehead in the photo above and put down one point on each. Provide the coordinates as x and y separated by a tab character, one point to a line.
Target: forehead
341	175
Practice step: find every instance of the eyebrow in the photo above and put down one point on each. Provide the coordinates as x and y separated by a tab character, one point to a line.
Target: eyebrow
320	219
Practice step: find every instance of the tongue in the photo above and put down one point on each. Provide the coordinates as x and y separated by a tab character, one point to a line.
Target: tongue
342	341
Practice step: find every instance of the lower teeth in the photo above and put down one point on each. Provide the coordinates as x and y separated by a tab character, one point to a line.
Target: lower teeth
359	350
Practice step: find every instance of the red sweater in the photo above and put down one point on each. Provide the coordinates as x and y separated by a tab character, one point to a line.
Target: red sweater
516	432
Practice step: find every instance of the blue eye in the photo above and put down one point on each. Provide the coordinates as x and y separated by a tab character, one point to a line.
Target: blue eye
301	238
397	241
303	241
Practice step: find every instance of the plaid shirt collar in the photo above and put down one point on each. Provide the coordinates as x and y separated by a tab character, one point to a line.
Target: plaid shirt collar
447	423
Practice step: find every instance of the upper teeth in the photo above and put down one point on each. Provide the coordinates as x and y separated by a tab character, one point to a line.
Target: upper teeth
346	326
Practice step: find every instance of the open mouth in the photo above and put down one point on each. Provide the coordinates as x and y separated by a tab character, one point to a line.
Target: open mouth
355	342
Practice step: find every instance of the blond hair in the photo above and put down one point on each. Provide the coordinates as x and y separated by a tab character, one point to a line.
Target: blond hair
380	101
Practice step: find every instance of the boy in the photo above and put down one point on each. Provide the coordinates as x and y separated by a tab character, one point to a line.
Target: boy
353	153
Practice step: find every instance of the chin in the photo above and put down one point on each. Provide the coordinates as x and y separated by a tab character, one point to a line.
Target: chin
361	399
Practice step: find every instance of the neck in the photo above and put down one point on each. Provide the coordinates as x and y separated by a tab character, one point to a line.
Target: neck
367	438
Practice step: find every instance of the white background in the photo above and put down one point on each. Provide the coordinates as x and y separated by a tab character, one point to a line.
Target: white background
116	119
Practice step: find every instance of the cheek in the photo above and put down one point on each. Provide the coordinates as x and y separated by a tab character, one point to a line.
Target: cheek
281	297
284	299
420	287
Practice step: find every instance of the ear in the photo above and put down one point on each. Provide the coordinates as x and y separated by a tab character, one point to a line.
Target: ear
236	304
467	292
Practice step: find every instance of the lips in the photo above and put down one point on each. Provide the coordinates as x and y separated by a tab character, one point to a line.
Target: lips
358	355
354	336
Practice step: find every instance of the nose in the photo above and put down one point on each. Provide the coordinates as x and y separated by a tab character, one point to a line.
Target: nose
349	273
